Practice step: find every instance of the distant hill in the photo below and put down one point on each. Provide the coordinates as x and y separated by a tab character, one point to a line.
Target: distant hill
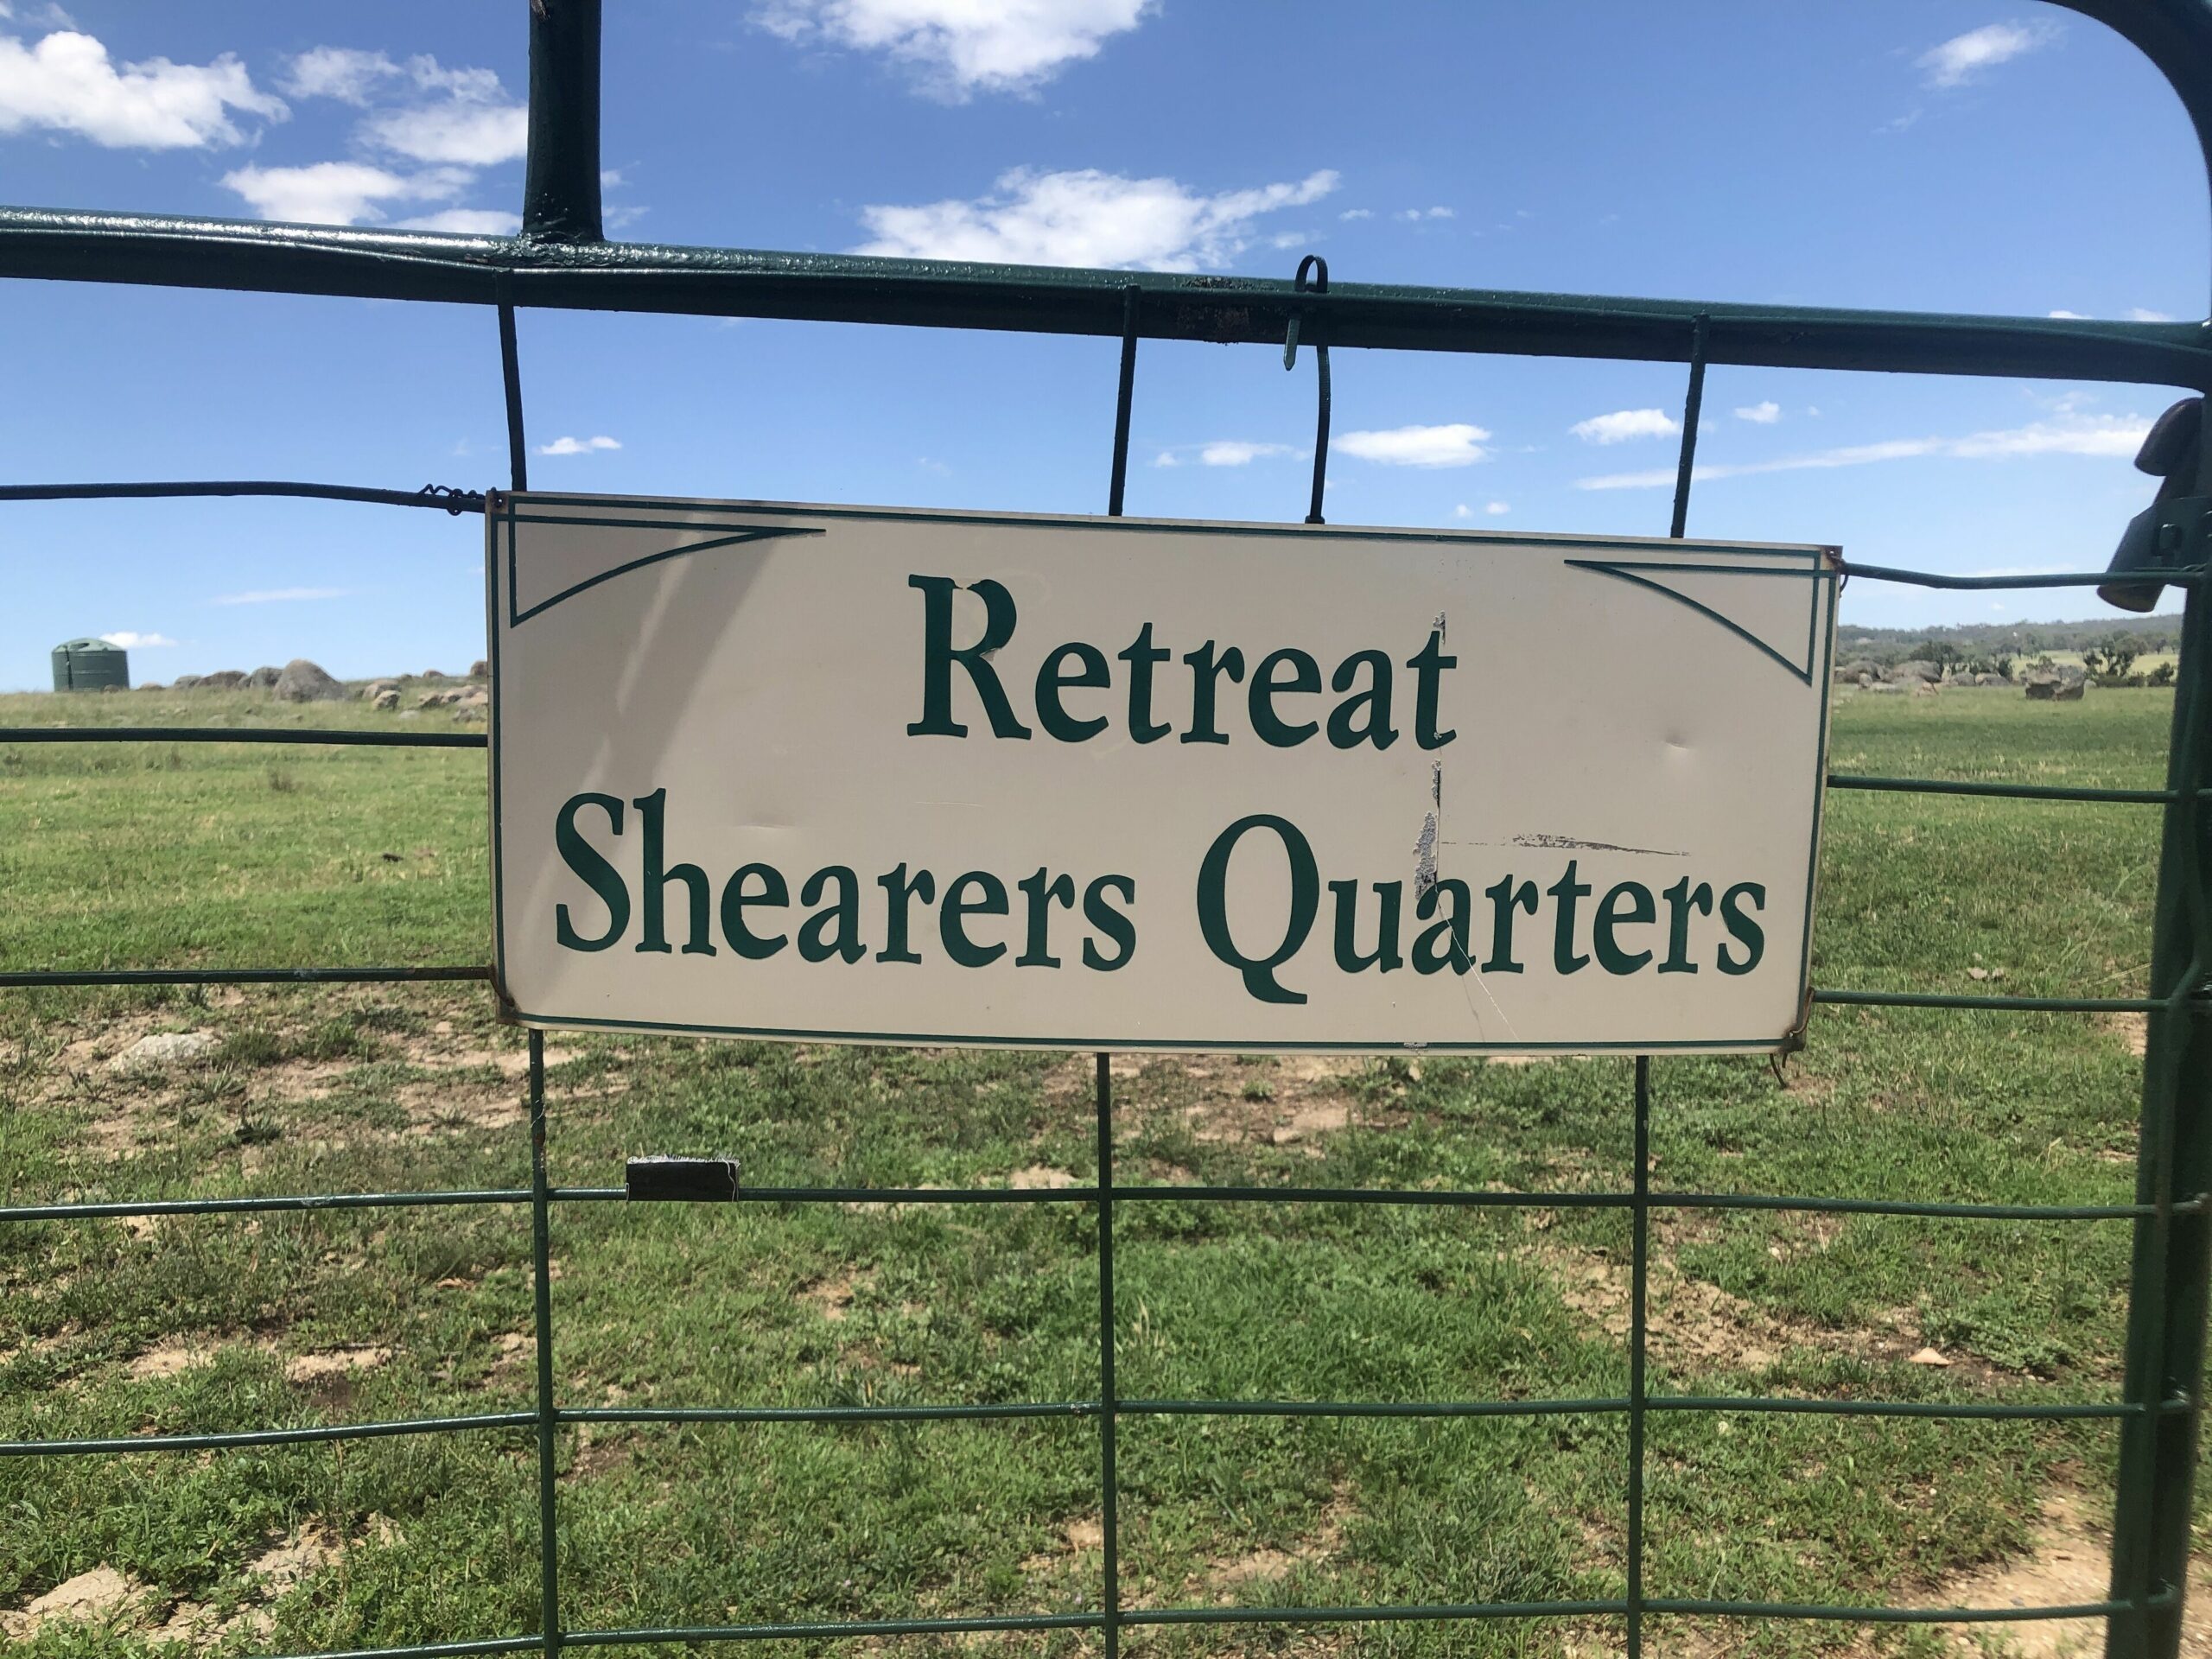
2144	636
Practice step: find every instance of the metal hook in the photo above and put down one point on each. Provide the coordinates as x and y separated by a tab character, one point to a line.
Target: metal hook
1318	267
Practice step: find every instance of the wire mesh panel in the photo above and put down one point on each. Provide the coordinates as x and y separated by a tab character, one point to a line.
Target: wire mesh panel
561	261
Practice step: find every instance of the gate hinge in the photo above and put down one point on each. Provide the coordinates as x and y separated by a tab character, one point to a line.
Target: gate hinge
2175	531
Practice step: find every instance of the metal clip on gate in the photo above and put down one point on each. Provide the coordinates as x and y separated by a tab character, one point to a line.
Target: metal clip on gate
561	261
1320	267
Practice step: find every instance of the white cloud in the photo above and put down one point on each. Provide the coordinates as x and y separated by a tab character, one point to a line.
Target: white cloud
280	595
1086	218
1165	458
466	129
1760	413
1414	214
1231	453
457	117
340	72
2069	316
1623	424
961	47
66	84
1959	59
337	192
2144	314
1351	213
578	445
2103	435
1497	507
130	639
447	123
1455	445
466	221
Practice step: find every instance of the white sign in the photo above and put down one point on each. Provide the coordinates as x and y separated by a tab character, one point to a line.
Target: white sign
852	774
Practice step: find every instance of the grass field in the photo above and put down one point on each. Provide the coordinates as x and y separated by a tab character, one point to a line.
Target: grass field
163	855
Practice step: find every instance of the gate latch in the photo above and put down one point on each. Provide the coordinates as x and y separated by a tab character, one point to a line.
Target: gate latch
682	1180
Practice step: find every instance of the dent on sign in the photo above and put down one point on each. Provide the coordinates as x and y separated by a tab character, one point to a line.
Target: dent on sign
853	774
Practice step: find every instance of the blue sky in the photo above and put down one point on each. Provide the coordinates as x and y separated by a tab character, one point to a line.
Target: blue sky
1925	153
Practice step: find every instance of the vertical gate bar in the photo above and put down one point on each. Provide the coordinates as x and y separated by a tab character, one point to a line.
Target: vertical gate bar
548	1572
1109	1401
1638	1283
1693	404
1124	397
2167	1280
560	192
1640	1208
510	382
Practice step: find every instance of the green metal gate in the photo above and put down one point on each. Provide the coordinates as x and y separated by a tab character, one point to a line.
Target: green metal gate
561	261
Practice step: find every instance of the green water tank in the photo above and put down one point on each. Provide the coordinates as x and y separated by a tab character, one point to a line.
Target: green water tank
89	665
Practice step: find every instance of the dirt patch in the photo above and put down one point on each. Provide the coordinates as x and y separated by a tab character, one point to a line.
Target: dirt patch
2131	1029
320	1369
298	1082
1040	1178
177	1355
168	1359
1226	1099
102	1595
1694	1327
1224	1573
833	1298
2071	1562
1321	1117
447	1107
510	1062
596	1454
283	1563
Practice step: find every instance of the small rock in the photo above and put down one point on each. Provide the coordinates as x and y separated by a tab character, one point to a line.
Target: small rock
184	683
166	1048
264	676
430	674
223	679
480	669
153	685
1927	1356
386	700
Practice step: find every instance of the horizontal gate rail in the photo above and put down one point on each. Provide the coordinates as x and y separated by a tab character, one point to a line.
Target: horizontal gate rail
310	1434
891	1196
339	737
528	272
452	502
36	978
